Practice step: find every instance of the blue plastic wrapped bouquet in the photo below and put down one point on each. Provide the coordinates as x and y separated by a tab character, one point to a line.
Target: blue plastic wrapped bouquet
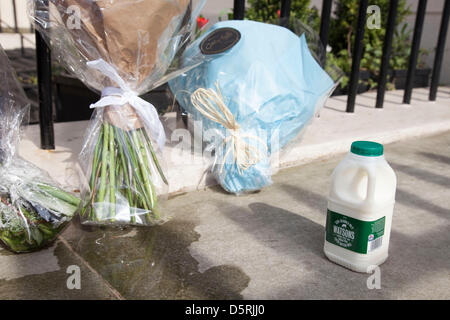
258	87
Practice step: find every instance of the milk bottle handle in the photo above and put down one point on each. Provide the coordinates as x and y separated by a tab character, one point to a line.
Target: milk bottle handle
371	181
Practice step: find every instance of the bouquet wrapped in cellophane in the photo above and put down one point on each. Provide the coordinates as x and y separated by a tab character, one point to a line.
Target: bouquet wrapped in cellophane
33	209
123	48
258	89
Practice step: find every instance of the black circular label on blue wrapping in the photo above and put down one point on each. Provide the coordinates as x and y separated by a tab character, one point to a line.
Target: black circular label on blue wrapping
220	40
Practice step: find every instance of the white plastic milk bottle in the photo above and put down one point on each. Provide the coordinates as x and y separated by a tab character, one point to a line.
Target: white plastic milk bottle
360	208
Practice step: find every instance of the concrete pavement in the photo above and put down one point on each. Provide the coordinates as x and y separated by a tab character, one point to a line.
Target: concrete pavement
265	245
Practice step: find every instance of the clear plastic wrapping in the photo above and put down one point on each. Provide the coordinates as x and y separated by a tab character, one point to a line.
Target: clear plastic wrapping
122	48
253	95
33	209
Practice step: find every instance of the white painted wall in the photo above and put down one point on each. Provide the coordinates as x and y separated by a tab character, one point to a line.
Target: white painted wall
430	35
7	15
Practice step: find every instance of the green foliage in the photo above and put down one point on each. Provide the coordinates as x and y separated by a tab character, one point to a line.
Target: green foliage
267	11
342	62
344	22
342	36
401	46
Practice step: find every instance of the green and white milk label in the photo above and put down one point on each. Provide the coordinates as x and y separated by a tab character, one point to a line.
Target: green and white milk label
353	234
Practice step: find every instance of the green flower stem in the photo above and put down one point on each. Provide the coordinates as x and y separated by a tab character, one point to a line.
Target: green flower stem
123	162
144	171
155	159
94	176
112	175
124	168
139	187
144	145
143	164
47	230
104	164
96	158
93	191
59	194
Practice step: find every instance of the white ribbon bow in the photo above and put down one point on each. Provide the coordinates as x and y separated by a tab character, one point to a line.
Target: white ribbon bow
112	96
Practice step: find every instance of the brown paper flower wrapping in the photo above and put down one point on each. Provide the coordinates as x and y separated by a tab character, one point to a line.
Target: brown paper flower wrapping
123	117
123	174
125	33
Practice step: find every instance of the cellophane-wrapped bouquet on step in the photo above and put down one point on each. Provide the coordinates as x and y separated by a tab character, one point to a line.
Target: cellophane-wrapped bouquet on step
33	208
259	86
122	48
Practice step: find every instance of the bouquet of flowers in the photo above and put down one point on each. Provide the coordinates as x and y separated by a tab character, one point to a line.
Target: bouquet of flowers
258	88
33	209
123	48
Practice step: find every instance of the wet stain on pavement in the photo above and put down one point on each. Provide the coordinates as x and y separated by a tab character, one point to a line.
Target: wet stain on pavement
155	262
52	284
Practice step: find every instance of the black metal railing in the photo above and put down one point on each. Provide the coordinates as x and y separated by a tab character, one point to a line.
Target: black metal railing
325	21
439	57
44	77
418	27
357	55
387	47
44	74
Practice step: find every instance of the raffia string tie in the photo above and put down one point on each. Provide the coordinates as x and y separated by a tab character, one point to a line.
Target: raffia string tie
209	102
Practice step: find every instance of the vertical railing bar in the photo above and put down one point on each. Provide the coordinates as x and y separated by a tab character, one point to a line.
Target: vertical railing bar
44	74
325	22
16	27
418	27
239	9
387	47
439	51
285	13
22	47
357	54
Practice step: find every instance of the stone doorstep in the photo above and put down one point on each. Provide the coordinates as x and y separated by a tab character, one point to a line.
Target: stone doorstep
330	134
